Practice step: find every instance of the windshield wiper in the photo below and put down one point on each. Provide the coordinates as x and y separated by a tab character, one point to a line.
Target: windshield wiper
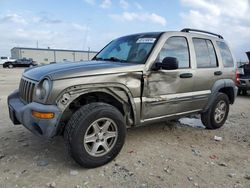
115	59
98	58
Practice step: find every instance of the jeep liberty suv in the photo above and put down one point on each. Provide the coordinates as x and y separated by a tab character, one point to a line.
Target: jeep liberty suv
135	80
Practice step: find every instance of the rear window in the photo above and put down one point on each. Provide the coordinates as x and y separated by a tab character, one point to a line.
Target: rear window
4	58
205	53
226	55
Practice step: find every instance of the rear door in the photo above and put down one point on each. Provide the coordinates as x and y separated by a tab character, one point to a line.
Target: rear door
207	70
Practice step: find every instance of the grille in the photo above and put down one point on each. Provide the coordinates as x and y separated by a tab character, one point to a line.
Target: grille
26	89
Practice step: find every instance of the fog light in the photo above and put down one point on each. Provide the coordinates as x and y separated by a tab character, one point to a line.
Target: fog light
43	115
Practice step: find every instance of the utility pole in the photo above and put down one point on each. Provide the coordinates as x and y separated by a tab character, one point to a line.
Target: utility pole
37	44
88	52
85	38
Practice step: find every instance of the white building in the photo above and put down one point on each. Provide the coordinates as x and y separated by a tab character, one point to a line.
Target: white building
45	56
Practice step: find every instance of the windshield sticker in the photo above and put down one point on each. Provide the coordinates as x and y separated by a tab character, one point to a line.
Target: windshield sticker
146	40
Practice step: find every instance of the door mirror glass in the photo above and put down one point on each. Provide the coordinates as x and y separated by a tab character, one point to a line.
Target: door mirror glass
168	63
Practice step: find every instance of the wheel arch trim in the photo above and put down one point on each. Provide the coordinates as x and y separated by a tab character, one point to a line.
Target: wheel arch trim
218	86
119	91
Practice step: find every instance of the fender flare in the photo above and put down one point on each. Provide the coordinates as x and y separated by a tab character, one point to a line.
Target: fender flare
119	91
218	85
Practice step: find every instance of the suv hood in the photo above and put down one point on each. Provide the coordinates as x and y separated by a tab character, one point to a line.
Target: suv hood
77	69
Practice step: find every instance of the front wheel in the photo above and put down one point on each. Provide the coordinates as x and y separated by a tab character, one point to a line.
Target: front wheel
216	115
10	66
95	134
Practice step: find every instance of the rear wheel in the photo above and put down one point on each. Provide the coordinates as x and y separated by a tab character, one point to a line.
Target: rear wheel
95	134
10	66
216	115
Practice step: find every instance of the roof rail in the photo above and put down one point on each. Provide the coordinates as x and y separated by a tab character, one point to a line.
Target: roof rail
187	30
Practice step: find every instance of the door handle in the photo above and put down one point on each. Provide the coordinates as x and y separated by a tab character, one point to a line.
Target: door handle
217	73
186	75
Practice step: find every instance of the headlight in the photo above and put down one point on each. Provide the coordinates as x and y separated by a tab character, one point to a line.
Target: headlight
43	89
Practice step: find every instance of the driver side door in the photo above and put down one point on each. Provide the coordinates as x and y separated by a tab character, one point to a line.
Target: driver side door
169	92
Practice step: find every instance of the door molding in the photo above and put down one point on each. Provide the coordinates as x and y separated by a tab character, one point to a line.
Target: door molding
178	97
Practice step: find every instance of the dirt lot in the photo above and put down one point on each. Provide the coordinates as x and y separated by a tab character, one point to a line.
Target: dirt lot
171	154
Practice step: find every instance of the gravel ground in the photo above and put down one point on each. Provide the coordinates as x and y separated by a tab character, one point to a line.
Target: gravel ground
172	154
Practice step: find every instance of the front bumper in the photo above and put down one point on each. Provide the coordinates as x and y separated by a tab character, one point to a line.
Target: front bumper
21	113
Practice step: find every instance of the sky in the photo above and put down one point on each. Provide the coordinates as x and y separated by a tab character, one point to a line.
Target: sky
91	24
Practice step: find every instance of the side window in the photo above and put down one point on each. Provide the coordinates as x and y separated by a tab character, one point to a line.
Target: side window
176	47
226	55
205	53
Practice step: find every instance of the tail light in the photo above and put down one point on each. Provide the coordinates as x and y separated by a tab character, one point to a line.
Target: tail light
237	77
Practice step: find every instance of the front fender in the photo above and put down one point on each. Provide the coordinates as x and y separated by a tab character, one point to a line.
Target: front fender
119	91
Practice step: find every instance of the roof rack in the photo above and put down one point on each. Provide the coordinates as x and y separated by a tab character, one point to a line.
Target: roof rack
187	30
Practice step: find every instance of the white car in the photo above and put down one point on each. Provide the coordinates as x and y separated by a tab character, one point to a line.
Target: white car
5	59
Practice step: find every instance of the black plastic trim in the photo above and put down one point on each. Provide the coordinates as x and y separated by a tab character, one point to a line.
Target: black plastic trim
187	30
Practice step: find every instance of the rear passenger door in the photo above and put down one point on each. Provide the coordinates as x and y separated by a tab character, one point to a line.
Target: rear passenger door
207	70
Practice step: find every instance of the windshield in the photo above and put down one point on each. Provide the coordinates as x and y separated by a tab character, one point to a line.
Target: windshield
131	49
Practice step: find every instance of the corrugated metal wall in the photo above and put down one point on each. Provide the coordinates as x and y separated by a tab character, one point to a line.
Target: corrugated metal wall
45	56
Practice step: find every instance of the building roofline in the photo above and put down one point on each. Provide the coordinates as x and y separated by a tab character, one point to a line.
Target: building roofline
53	49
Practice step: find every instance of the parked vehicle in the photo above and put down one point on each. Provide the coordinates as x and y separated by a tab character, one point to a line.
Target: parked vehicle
135	80
243	78
20	63
5	59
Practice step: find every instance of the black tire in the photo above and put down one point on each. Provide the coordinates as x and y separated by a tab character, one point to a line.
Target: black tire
244	92
78	126
208	117
239	91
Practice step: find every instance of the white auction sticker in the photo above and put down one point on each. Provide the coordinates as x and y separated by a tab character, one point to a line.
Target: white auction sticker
146	40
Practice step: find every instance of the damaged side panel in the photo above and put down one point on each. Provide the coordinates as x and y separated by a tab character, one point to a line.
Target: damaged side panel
125	88
163	92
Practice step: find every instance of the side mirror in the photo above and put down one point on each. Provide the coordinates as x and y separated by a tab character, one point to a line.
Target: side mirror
168	63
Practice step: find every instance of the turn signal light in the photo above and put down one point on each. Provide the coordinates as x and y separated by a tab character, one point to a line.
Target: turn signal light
43	115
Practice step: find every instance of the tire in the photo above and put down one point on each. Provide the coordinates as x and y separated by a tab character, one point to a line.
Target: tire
10	66
244	92
239	91
211	118
86	123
